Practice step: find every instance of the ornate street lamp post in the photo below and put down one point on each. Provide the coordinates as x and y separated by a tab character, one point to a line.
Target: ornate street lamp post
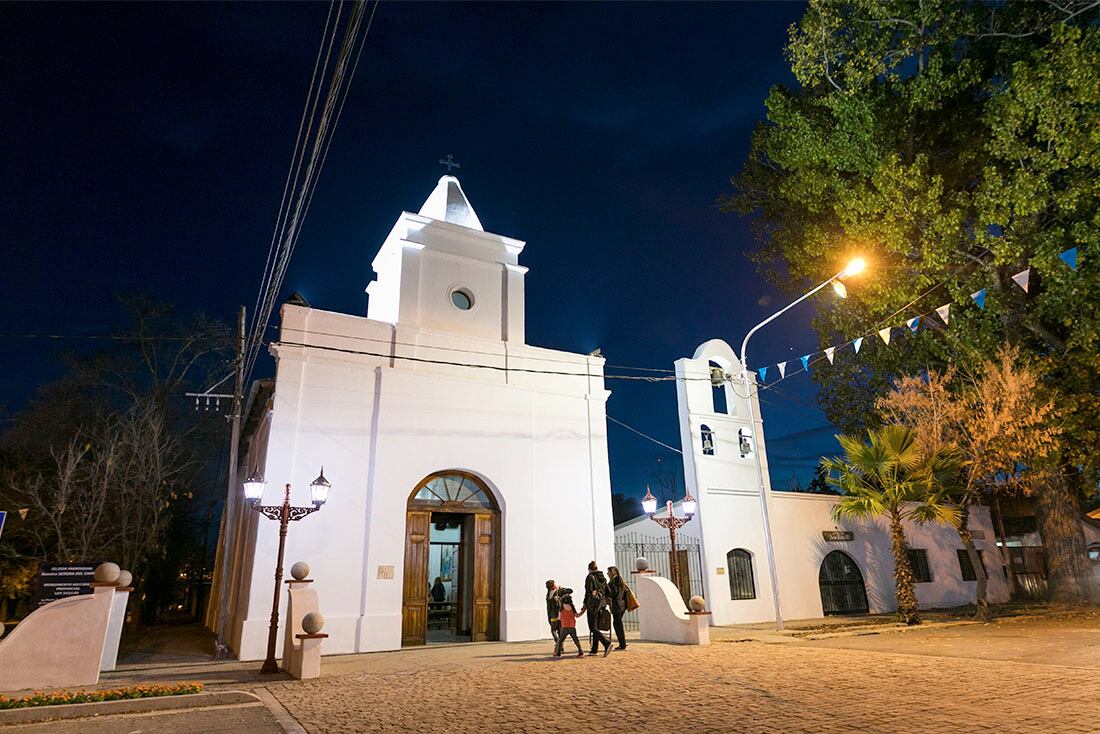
284	514
672	523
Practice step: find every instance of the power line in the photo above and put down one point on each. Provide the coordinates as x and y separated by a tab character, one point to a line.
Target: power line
497	368
303	181
459	349
646	437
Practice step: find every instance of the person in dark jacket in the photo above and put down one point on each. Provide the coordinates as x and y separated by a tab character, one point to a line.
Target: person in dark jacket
439	591
553	607
616	594
595	599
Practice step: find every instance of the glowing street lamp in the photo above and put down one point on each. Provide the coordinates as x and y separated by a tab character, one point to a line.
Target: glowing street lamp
672	524
854	267
284	514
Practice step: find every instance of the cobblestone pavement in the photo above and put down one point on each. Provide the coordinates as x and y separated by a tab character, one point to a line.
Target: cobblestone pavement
726	687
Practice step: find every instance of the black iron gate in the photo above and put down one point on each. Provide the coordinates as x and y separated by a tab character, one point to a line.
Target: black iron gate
842	589
631	546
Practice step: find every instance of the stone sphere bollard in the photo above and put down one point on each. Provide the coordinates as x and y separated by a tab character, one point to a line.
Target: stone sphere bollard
300	571
696	603
641	564
125	578
107	573
313	622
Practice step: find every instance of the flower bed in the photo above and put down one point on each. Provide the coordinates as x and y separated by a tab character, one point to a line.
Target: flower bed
56	698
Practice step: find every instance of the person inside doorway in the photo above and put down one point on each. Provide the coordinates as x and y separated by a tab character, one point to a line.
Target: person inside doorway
439	591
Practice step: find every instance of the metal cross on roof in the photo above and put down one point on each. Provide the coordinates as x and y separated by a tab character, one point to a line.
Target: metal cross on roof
450	163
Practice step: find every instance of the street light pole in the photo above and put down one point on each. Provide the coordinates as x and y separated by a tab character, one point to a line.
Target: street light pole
284	514
672	523
854	267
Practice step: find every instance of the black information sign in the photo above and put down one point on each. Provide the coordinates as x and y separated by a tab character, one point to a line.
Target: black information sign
838	536
60	580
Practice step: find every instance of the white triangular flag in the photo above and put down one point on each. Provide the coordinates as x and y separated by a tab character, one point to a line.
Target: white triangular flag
1021	278
782	369
944	311
856	343
885	334
829	353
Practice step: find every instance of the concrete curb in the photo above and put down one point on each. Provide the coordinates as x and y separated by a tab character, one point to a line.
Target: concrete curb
35	714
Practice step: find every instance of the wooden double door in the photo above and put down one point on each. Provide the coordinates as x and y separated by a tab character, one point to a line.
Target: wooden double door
477	574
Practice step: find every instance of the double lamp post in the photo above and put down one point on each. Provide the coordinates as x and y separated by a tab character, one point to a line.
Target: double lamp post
284	514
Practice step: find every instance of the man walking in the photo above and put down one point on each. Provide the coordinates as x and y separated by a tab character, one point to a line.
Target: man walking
595	599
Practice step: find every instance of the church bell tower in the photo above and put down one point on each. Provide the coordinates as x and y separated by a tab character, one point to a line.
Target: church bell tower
440	270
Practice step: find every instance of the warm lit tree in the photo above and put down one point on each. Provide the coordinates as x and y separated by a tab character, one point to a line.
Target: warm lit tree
1000	417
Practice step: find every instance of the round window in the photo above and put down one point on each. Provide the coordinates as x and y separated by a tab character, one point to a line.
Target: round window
462	300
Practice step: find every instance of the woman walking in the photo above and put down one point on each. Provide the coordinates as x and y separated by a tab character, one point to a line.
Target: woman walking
616	592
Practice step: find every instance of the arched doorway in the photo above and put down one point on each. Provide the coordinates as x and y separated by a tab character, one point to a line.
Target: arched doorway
451	587
842	590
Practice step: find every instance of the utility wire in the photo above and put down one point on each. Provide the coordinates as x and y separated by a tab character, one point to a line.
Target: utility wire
303	184
648	438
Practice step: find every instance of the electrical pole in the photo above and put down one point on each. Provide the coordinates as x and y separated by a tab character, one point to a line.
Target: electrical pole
227	529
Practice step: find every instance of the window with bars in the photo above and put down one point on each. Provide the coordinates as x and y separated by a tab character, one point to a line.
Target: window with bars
918	560
739	563
967	567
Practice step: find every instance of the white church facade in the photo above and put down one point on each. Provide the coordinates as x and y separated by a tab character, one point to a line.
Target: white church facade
467	467
823	566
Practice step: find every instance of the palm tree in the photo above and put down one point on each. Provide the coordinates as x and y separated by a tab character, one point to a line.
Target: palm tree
891	477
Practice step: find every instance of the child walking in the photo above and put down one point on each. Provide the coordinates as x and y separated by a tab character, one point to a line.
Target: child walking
568	620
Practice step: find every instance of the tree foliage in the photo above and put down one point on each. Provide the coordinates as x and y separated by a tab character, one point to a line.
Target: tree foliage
952	144
104	460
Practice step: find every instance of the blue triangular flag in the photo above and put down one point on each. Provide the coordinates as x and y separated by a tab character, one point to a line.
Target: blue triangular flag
805	362
857	343
1069	257
913	323
979	298
763	373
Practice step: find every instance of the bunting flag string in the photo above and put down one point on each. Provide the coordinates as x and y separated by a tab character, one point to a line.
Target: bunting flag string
1022	279
1069	257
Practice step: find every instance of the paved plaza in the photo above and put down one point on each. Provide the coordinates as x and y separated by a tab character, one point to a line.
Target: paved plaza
729	686
1016	675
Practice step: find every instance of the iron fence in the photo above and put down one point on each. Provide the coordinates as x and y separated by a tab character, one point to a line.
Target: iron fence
631	546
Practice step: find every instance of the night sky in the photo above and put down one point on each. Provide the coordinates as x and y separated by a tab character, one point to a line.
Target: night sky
145	149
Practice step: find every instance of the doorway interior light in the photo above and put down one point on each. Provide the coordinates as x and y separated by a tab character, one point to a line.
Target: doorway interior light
840	289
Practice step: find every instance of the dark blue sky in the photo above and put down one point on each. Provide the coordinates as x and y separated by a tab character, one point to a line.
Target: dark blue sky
145	149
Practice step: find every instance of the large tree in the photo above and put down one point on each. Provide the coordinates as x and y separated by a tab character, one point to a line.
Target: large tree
953	145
